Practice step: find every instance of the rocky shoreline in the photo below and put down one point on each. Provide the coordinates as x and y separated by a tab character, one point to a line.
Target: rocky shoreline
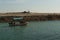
6	17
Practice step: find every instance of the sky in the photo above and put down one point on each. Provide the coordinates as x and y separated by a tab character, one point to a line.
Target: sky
42	6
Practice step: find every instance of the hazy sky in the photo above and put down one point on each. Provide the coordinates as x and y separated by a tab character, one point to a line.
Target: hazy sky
31	5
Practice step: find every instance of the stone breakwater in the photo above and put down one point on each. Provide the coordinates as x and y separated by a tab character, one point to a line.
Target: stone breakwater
6	17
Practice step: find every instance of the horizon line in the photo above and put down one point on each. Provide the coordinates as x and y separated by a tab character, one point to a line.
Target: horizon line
27	11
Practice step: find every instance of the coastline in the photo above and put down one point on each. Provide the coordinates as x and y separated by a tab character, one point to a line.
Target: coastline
6	17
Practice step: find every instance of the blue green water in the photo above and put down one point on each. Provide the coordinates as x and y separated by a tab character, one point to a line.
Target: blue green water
38	30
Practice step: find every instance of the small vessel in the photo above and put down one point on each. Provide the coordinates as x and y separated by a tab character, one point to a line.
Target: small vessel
17	22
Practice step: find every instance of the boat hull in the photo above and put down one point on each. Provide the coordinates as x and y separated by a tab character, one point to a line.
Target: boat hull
21	24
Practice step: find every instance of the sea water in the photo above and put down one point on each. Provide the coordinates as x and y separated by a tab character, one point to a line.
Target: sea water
35	30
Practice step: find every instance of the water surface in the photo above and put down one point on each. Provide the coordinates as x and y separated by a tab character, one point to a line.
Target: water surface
37	30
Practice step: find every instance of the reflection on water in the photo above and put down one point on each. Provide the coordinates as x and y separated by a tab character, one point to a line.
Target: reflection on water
38	30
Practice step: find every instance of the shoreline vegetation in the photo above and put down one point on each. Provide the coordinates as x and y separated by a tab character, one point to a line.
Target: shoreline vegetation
29	16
